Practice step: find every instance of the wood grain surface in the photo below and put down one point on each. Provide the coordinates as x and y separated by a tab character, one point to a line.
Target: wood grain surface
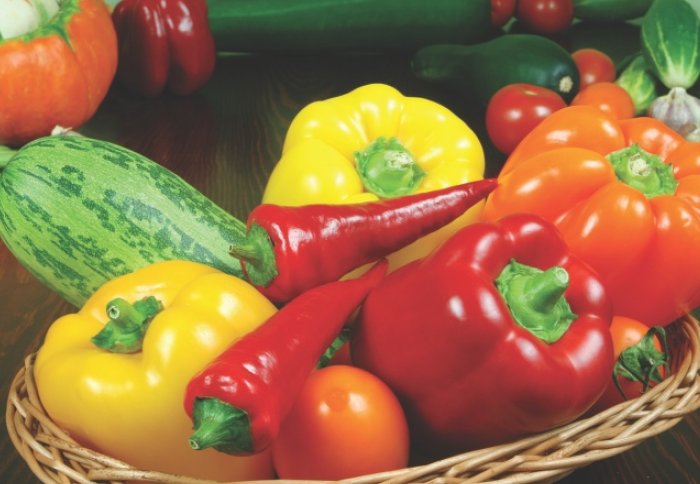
225	140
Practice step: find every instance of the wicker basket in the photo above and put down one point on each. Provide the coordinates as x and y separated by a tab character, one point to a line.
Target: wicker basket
55	458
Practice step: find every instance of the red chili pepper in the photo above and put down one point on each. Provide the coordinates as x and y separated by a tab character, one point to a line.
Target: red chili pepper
292	249
500	332
239	401
164	42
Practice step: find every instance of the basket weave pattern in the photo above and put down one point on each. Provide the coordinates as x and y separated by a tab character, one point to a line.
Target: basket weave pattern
55	458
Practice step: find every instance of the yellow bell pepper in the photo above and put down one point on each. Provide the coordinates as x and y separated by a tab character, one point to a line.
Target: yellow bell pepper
161	325
375	143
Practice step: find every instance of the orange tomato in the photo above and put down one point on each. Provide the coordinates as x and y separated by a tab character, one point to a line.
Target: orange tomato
630	333
346	422
608	97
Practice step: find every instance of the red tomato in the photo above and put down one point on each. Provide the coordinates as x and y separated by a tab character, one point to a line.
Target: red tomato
608	97
545	16
501	11
627	333
593	66
346	422
514	110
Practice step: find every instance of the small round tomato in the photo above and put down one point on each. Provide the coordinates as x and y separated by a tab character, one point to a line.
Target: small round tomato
501	11
346	422
645	355
593	66
608	97
545	16
514	110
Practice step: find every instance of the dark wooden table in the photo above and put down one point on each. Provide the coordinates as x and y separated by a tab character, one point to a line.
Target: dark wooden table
225	140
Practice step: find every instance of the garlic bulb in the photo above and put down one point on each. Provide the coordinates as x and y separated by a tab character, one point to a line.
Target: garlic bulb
680	111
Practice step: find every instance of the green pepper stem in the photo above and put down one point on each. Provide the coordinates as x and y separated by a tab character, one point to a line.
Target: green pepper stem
536	299
258	254
127	324
643	171
221	426
546	288
388	169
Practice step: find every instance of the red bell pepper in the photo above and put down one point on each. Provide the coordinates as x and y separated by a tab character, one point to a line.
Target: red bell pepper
239	401
292	249
499	333
164	42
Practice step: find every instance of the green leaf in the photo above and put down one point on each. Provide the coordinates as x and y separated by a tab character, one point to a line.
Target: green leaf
671	42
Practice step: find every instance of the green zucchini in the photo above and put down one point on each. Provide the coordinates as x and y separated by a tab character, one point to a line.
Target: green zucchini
479	70
336	25
610	10
77	212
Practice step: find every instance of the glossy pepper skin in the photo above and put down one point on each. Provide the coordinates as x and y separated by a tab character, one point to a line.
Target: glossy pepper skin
480	353
375	143
129	404
57	74
164	43
314	244
625	196
239	401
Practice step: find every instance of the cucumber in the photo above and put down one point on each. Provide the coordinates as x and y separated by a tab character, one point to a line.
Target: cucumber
478	71
335	25
77	212
610	10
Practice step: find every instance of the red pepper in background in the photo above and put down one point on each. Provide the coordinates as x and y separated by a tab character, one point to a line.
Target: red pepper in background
499	333
164	42
292	249
239	401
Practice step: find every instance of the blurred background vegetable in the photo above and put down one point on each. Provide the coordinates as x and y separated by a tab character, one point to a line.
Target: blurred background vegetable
593	66
57	60
164	43
345	25
610	10
545	16
671	48
515	110
478	71
639	82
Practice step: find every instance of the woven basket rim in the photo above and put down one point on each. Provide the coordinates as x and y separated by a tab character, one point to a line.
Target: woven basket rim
56	458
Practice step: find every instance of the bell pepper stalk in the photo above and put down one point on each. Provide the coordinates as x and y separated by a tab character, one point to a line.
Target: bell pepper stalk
57	61
374	143
499	333
164	43
238	402
117	369
291	249
624	196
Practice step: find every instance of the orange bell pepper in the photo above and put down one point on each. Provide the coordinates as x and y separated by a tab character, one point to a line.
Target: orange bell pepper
626	197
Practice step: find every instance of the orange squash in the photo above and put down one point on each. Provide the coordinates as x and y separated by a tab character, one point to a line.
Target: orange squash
57	74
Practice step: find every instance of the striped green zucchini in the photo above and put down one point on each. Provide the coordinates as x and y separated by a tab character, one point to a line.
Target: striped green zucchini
77	212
